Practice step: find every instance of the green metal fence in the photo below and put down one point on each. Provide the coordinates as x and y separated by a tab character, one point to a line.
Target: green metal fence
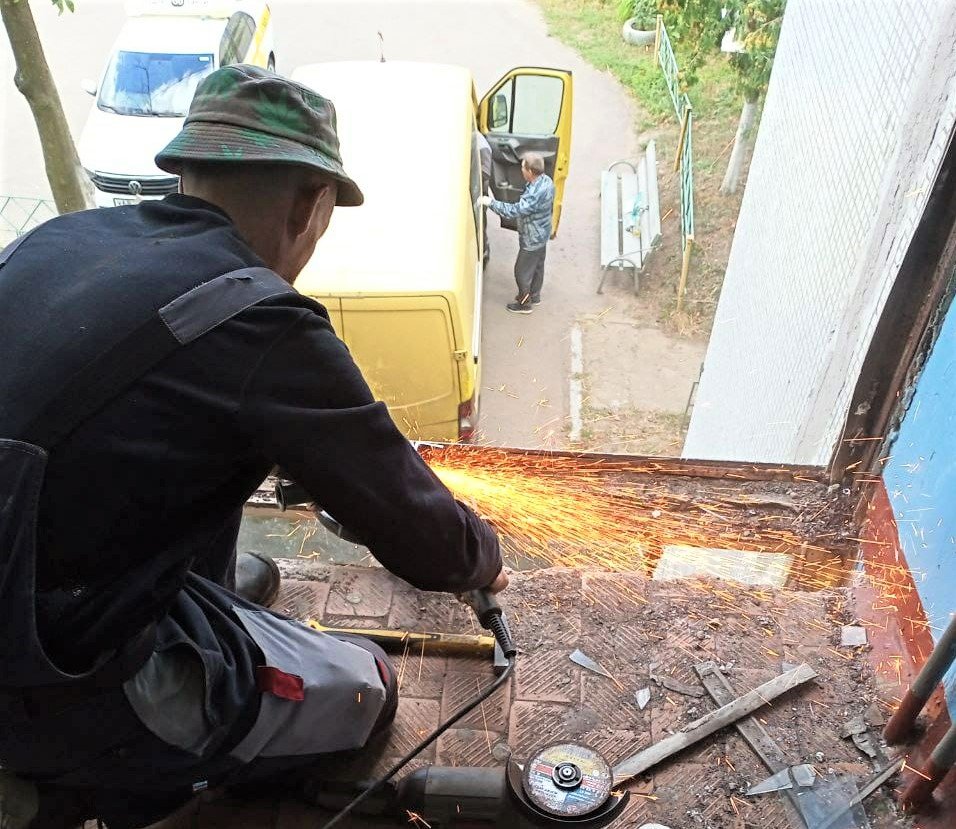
684	159
19	214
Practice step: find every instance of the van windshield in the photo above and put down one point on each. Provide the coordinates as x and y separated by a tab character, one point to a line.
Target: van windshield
150	83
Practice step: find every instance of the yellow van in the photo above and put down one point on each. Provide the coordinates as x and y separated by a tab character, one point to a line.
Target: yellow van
401	275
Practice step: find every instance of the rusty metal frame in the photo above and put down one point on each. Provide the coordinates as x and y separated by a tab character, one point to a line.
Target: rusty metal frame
653	465
904	335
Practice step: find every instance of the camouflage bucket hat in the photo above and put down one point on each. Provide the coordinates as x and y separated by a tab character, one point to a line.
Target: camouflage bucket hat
243	113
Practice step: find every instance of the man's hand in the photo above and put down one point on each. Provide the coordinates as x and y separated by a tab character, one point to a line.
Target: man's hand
500	582
485	201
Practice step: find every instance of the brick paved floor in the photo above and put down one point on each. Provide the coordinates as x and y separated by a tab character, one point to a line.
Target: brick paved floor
632	627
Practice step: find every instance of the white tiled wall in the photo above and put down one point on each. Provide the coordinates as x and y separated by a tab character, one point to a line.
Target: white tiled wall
860	109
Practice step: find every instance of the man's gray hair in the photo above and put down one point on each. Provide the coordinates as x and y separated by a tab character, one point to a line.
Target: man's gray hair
533	162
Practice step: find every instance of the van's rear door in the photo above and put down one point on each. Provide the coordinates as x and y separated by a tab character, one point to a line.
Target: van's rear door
405	347
529	109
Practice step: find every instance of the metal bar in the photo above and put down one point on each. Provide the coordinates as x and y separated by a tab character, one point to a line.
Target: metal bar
679	155
684	269
917	695
620	215
453	643
698	730
650	465
919	791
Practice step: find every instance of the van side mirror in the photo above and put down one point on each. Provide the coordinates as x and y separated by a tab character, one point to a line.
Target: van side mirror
499	111
88	86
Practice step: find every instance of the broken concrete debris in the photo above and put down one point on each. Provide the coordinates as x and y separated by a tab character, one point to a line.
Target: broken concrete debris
853	636
857	730
643	696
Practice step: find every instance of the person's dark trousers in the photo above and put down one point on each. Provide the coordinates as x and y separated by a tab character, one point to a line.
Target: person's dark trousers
529	273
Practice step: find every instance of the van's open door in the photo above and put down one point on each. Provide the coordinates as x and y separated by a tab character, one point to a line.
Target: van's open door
529	109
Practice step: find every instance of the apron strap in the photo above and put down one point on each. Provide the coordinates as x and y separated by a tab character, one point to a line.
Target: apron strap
176	324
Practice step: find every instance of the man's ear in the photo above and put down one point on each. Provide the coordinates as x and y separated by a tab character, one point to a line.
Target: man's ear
312	209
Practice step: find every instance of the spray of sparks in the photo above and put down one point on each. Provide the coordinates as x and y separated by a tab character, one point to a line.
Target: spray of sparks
579	512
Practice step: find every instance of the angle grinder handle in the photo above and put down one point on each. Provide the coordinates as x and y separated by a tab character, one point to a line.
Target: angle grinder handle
491	617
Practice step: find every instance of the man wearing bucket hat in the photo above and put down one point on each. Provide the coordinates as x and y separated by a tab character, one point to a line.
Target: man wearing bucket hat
158	363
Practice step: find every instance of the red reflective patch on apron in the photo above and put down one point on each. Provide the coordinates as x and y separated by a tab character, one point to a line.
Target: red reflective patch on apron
271	680
383	672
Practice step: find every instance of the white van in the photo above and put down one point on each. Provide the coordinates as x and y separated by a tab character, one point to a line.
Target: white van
164	50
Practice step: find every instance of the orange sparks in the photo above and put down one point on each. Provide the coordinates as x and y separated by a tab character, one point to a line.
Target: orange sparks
578	513
915	771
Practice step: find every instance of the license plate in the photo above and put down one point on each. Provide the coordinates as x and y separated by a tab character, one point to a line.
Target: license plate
118	202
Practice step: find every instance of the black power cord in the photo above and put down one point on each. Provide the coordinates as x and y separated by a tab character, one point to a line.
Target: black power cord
489	615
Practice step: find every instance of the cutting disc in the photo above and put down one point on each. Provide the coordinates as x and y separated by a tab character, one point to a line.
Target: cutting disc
567	780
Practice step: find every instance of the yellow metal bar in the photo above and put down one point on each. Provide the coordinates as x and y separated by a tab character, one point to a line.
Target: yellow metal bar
684	270
450	643
684	122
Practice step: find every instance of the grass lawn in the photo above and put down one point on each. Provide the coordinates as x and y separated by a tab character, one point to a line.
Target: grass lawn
592	28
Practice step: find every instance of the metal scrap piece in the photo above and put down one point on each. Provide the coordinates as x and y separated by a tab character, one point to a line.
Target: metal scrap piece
796	776
578	657
678	687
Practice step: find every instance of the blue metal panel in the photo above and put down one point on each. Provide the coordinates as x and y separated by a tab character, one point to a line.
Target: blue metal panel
921	480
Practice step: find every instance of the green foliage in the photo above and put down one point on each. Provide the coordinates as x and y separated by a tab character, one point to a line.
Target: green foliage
698	26
758	28
645	12
695	28
64	5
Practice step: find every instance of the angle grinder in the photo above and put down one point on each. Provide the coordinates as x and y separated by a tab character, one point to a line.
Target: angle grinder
559	785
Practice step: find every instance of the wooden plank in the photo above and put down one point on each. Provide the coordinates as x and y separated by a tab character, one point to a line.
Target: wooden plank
694	732
755	735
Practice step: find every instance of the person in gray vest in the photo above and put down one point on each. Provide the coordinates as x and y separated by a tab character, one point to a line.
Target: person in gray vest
158	363
533	212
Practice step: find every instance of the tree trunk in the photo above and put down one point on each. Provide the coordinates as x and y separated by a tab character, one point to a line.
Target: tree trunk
744	127
68	181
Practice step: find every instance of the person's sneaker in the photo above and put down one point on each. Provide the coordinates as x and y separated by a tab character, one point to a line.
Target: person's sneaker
534	300
257	578
519	307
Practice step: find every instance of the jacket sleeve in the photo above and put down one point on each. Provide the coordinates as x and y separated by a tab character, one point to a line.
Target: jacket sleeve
528	204
308	409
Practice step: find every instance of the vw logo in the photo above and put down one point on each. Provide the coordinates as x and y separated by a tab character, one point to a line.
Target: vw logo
135	187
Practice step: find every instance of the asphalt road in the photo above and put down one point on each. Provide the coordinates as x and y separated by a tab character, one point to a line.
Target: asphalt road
526	358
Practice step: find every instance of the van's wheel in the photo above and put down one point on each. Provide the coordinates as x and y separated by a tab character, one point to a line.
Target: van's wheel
271	65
